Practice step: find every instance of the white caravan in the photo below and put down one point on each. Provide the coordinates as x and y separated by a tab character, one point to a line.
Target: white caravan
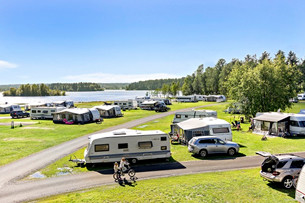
300	189
132	144
297	124
44	112
127	104
190	98
301	96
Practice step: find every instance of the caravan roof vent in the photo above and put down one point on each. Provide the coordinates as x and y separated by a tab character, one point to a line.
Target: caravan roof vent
119	133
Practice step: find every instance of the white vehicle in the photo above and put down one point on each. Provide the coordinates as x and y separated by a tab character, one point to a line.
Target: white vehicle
301	96
140	100
134	145
300	189
44	112
7	108
182	116
127	104
208	126
190	98
297	124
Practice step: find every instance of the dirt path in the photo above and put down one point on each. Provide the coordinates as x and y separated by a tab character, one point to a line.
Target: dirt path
25	166
18	123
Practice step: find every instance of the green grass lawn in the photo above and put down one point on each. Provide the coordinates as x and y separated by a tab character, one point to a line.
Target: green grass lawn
230	186
23	141
250	143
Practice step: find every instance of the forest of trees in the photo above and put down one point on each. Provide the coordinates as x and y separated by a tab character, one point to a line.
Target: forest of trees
76	87
153	84
33	90
259	85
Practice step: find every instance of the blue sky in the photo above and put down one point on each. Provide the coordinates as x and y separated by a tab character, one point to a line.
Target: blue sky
125	41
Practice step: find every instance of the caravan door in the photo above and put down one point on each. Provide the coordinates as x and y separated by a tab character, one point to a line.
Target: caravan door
300	190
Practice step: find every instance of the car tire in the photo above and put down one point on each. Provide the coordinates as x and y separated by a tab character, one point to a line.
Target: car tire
203	153
287	182
231	151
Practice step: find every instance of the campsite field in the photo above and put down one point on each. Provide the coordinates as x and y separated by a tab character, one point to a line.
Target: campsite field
230	186
23	141
249	142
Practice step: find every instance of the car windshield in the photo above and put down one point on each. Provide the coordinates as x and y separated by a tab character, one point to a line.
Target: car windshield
302	123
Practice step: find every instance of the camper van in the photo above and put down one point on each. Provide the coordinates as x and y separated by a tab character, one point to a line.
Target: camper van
300	189
44	112
132	144
301	96
297	124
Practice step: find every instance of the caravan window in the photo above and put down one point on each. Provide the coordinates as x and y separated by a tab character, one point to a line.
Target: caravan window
123	146
197	133
33	111
221	130
52	111
294	123
45	111
163	138
101	147
145	145
39	111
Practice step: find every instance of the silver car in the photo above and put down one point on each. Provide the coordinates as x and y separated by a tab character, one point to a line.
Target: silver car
204	145
281	168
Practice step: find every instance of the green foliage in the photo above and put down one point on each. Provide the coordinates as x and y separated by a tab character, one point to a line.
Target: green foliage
153	84
76	87
33	90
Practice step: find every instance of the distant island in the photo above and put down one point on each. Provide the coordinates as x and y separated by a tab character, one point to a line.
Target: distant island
33	90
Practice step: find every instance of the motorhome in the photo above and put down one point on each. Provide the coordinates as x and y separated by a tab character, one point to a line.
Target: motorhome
208	126
77	116
300	189
44	112
275	123
301	96
190	98
8	108
109	111
127	104
200	97
134	145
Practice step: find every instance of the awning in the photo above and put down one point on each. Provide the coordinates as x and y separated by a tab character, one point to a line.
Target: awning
272	117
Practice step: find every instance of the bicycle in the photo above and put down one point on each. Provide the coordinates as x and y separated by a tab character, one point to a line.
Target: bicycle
131	173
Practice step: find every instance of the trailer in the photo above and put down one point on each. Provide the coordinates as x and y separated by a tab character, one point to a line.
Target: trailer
191	98
134	145
41	113
127	104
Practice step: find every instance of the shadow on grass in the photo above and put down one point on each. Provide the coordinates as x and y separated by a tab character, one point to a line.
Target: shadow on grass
277	186
219	157
141	166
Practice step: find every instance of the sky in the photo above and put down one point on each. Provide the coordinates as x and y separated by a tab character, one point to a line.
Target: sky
131	40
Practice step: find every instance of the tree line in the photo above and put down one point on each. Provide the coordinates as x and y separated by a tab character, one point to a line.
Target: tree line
33	90
76	87
153	84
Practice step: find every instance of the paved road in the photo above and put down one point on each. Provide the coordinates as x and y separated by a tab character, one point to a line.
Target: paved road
25	191
29	190
36	161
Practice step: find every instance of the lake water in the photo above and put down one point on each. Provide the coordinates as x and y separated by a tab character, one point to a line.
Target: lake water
107	95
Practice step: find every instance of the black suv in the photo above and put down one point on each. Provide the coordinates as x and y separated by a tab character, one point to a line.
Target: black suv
19	114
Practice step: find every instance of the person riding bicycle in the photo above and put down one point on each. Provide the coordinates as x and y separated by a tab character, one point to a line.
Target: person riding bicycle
123	165
116	167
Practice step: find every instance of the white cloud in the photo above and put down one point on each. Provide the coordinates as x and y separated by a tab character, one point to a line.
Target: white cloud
6	65
117	78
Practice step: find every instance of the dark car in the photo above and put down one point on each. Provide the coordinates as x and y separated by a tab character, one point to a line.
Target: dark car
161	107
19	114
